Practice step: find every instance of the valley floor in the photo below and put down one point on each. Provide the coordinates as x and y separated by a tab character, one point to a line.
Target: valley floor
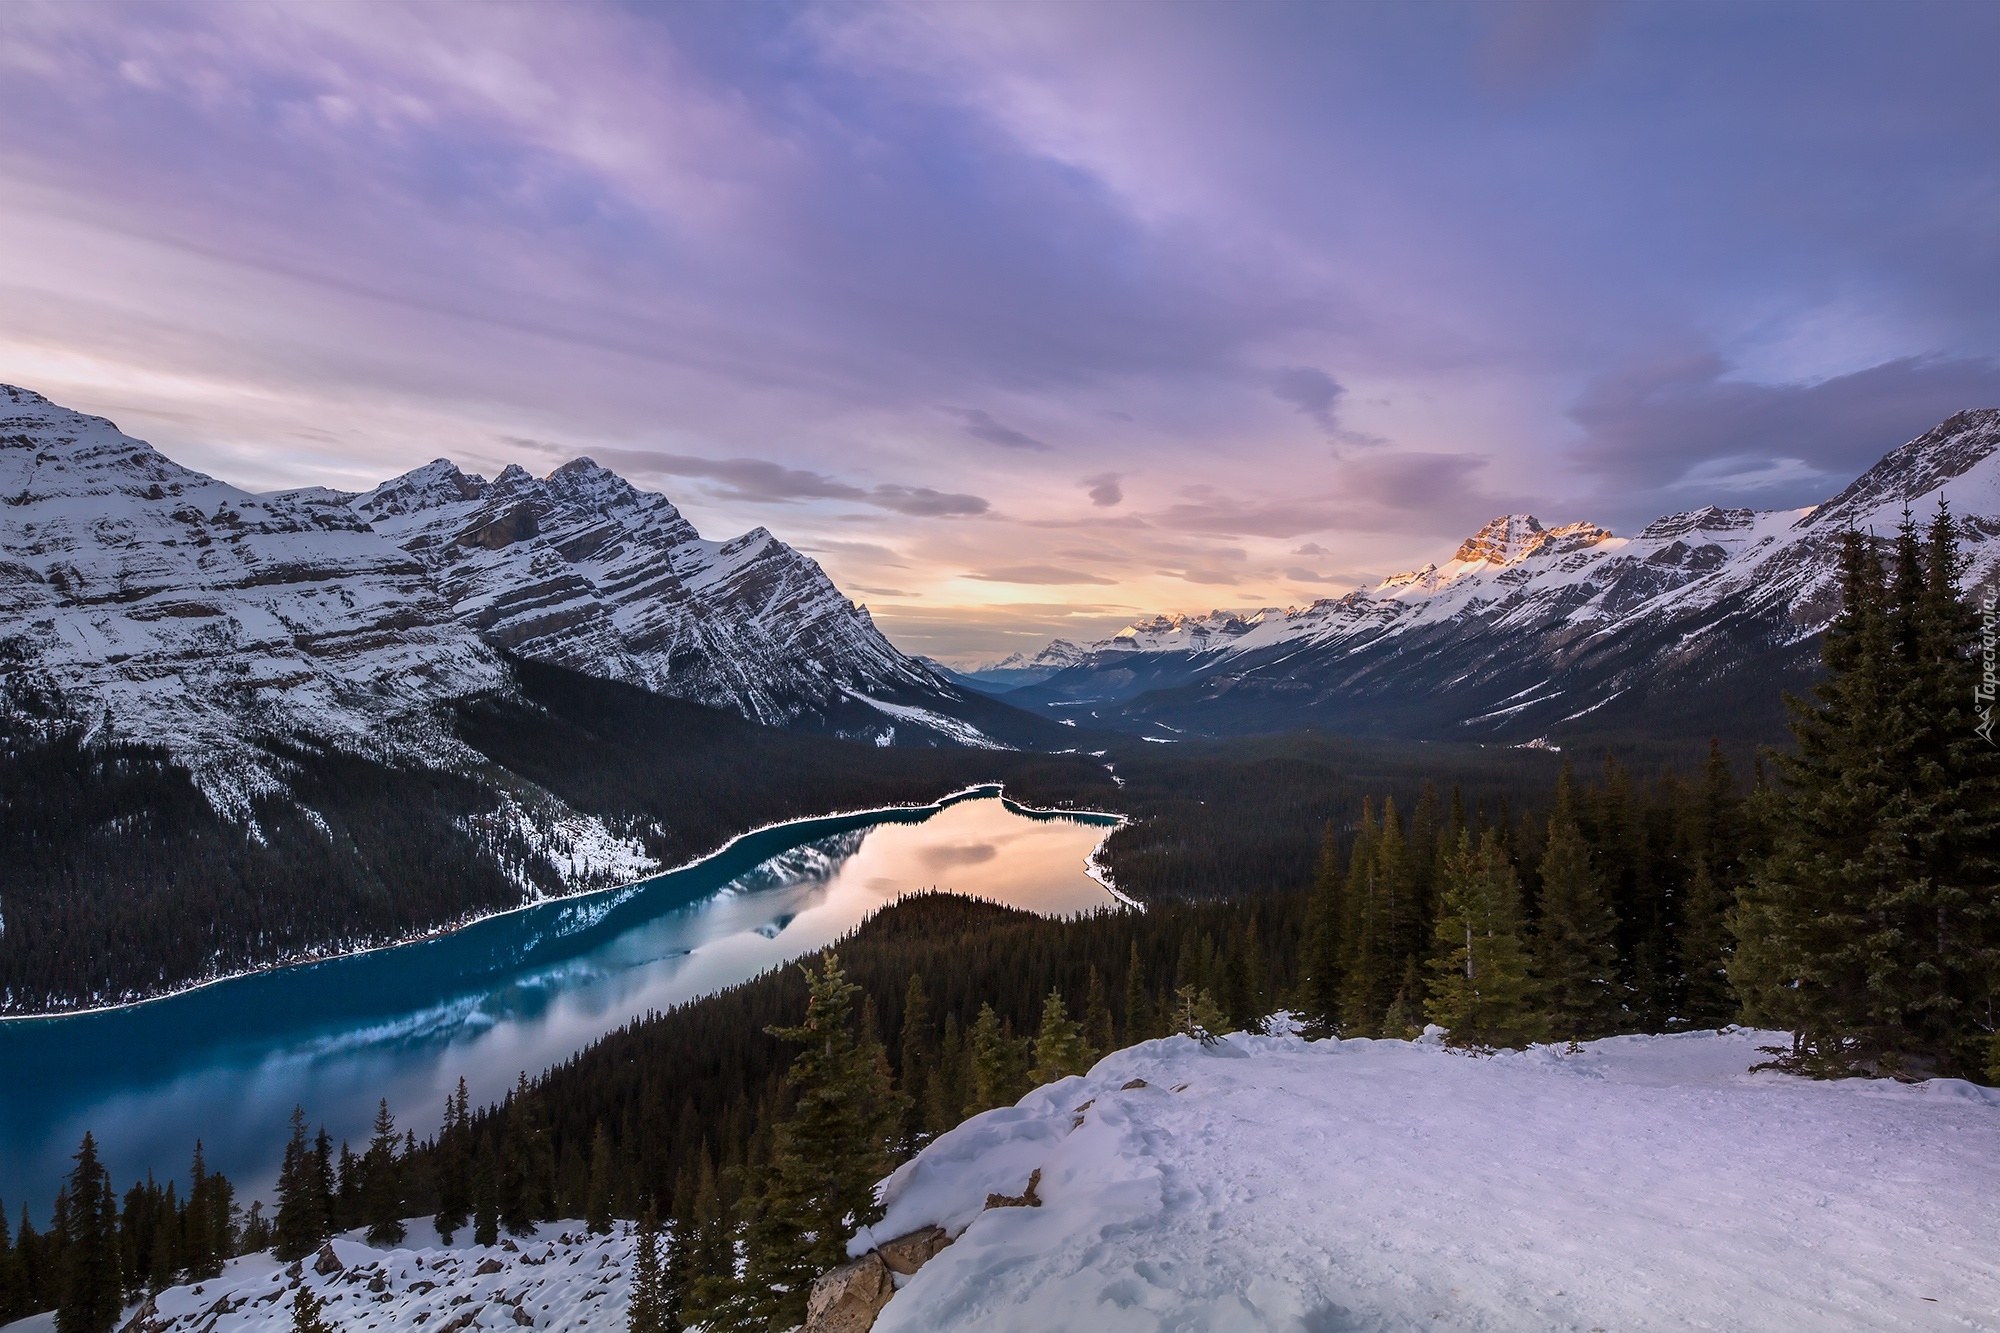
1642	1183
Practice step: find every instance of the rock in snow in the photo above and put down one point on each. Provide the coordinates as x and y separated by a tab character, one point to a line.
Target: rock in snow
560	1278
1642	1183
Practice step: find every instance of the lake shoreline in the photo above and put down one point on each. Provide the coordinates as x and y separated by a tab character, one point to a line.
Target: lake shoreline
1092	867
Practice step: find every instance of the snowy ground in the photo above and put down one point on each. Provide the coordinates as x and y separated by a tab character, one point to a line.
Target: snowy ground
1272	1183
560	1278
1644	1183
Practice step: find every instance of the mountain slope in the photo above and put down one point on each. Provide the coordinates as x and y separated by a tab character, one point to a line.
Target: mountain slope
1533	633
178	610
187	612
583	570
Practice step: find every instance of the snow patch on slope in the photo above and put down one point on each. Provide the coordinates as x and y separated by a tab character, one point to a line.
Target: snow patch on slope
1643	1183
559	1278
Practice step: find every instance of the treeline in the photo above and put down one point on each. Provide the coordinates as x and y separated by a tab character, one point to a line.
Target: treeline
1872	930
1605	915
96	1255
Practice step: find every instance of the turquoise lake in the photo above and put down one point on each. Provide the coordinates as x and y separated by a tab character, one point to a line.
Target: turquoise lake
521	991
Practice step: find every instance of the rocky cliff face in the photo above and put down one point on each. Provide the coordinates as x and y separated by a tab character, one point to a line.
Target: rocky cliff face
1529	632
182	610
582	569
174	608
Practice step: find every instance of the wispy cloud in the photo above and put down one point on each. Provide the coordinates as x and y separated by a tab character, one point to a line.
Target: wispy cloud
980	425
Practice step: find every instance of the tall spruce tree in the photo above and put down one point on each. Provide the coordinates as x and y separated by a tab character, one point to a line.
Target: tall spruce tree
1576	959
93	1289
1869	931
646	1309
1321	948
454	1167
918	1053
597	1199
1481	992
826	1157
1098	1029
207	1232
382	1182
1140	1023
301	1222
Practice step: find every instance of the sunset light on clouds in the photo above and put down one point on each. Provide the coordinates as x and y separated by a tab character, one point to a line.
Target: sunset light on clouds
1023	320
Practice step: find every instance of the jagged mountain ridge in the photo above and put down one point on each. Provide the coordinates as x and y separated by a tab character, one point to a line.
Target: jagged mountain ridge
183	611
584	570
1530	632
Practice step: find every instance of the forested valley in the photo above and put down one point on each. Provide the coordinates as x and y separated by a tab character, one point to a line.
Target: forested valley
1843	892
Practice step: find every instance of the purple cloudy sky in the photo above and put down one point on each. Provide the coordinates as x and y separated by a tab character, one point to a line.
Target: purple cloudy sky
1023	318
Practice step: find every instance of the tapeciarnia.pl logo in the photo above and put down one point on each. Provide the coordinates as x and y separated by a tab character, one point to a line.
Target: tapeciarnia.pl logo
1989	681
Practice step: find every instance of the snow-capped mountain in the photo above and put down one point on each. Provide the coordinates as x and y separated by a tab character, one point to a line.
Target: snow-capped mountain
185	611
1527	630
583	569
1016	669
180	610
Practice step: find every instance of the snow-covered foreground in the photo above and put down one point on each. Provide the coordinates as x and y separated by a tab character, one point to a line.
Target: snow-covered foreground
1645	1182
1270	1182
561	1278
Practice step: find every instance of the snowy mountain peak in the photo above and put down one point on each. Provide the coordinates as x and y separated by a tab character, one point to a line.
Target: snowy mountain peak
22	397
438	482
1502	541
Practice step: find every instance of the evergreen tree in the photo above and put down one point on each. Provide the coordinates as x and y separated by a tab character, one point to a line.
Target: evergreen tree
1405	1018
1060	1049
257	1235
1705	952
999	1065
1809	923
826	1156
486	1199
646	1310
1139	1021
1098	1030
528	1166
320	1182
12	1296
1480	989
382	1185
454	1168
208	1234
1197	1015
918	1053
1319	989
597	1210
944	1100
308	1312
300	1224
93	1290
1575	950
349	1191
710	1277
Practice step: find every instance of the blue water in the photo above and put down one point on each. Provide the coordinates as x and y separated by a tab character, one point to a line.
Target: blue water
514	992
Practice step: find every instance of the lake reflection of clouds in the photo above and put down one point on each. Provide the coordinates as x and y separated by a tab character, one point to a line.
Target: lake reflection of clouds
229	1063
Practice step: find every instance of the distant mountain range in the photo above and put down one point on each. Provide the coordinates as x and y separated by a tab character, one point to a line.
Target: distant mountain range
1530	634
